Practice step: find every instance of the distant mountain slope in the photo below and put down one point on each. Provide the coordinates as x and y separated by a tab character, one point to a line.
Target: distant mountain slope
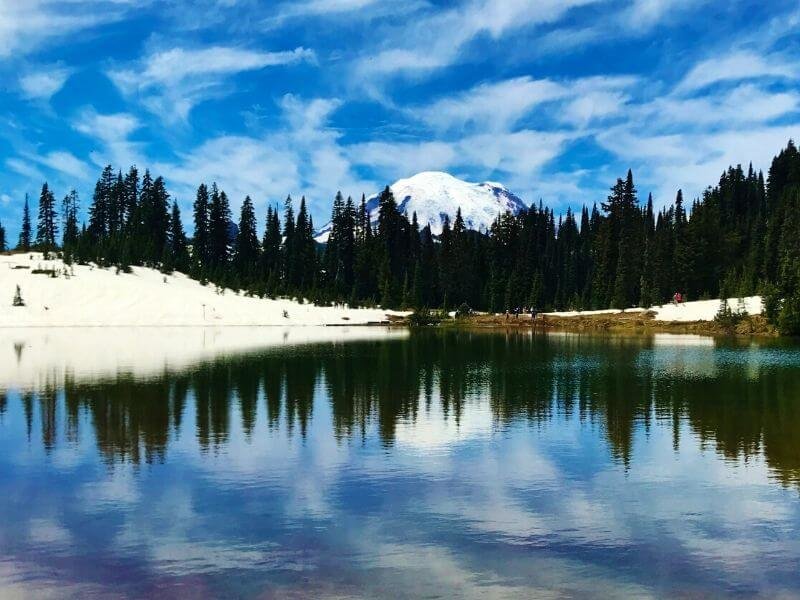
435	195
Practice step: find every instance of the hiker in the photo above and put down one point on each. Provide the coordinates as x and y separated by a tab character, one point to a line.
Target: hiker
533	314
677	298
507	315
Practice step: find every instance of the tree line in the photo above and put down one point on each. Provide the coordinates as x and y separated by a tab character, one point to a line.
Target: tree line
739	238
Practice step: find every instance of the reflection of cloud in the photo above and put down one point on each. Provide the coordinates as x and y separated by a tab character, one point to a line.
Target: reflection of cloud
119	488
48	532
429	431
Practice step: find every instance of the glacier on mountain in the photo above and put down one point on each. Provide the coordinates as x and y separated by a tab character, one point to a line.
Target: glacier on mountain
435	196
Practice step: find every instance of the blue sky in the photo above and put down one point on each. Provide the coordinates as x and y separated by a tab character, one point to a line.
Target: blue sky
554	98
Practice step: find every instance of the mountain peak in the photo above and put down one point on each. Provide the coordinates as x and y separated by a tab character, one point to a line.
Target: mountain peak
437	195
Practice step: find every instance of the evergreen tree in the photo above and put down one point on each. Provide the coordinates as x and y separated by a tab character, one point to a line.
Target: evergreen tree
25	233
47	227
219	231
200	243
100	207
246	252
305	251
271	251
70	233
178	253
288	252
3	243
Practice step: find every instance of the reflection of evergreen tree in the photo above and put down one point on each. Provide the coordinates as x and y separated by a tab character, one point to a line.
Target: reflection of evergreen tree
615	386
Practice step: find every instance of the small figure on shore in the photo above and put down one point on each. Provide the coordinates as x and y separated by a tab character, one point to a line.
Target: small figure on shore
507	315
677	298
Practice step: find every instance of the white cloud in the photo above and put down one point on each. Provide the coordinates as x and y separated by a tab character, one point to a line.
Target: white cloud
112	132
64	162
513	155
429	43
648	13
172	82
495	106
402	159
25	168
325	8
692	161
498	106
738	66
302	157
43	84
27	24
744	104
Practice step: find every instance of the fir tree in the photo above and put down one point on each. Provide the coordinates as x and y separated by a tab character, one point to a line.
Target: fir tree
288	252
219	230
200	243
246	251
25	233
47	227
271	249
178	247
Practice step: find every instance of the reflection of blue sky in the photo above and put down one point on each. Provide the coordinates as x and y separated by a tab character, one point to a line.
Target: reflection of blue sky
464	509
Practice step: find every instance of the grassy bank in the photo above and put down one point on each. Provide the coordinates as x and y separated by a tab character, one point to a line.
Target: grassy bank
632	322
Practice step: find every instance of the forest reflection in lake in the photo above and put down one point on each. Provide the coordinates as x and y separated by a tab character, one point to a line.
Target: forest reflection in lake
459	464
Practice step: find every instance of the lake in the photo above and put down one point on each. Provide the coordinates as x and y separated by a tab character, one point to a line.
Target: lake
368	463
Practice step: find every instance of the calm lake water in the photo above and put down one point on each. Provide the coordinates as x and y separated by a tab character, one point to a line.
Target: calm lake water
416	465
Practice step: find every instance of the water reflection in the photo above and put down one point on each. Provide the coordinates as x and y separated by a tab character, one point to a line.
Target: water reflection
619	385
453	464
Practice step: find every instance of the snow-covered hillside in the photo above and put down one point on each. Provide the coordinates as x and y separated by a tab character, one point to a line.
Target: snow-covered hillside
90	296
434	195
687	312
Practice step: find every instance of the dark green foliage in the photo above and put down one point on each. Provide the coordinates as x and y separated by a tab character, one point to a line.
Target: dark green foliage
246	251
69	216
3	243
340	251
219	218
176	252
25	232
424	317
47	228
738	239
271	252
200	243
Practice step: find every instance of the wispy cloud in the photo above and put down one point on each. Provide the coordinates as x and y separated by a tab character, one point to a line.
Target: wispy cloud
738	66
304	156
411	49
42	84
171	82
27	24
499	105
64	162
112	133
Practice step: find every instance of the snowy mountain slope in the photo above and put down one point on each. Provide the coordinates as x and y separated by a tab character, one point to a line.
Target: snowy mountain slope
435	195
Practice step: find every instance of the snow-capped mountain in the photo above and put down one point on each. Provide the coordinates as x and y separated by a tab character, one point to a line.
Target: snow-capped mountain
434	195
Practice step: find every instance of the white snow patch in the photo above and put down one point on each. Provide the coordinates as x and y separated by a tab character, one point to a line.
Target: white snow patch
701	310
705	310
102	298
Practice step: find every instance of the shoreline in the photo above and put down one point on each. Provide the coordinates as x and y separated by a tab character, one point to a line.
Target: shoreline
639	323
